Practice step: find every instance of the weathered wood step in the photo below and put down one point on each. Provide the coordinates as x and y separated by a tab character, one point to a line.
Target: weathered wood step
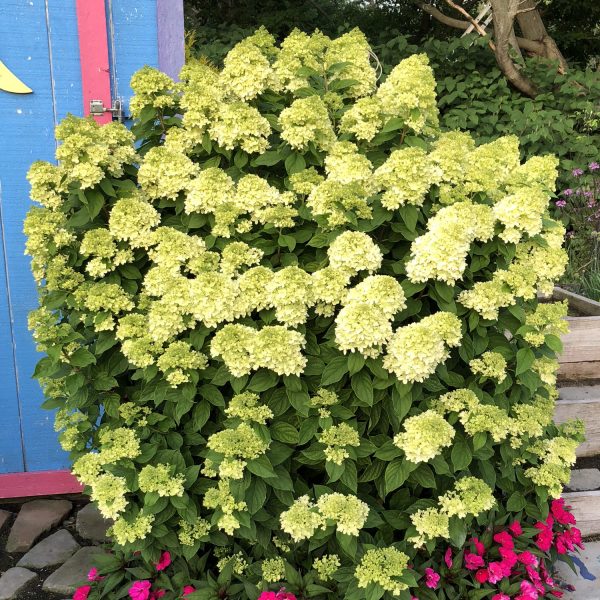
586	508
582	402
580	358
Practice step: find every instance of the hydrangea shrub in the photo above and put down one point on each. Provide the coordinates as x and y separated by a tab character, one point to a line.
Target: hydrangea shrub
294	340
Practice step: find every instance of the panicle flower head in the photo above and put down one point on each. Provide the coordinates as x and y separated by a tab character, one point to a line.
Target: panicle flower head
130	531
239	442
424	436
152	88
546	319
159	479
239	125
307	120
337	438
429	523
414	351
273	569
47	184
364	118
326	566
469	496
165	173
354	251
108	492
490	364
382	566
190	533
408	93
302	519
348	512
245	406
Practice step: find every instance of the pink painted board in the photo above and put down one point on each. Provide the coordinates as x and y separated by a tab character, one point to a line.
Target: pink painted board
38	483
93	49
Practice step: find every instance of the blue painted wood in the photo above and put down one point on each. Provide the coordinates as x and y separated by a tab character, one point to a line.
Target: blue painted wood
11	446
39	43
28	122
64	52
133	41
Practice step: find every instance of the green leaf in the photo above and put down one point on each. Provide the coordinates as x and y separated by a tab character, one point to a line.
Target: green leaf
356	361
393	124
284	432
267	159
525	358
516	502
295	163
362	386
82	358
424	476
263	380
461	455
458	531
396	473
261	467
334	370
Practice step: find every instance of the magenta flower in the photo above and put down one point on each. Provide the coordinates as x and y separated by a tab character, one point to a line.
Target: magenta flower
93	575
473	561
140	590
187	590
567	192
482	575
448	557
81	593
504	539
564	517
594	166
577	172
479	547
164	562
561	203
500	597
527	558
515	528
431	578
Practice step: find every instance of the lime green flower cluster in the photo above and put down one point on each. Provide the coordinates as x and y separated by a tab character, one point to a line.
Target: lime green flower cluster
424	436
190	533
160	480
273	569
247	408
382	566
415	350
491	365
130	531
326	566
337	438
546	319
304	517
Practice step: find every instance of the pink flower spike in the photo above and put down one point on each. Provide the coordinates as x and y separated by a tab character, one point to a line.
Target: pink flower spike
448	557
515	528
164	562
431	578
81	593
140	590
187	590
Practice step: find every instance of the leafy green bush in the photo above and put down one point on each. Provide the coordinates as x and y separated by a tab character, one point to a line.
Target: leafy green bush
294	338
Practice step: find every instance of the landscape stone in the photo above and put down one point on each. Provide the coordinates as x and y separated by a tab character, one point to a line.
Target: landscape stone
13	581
91	525
35	518
4	517
51	551
587	579
67	578
584	479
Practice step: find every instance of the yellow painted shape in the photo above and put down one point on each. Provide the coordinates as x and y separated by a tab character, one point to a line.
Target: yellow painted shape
11	83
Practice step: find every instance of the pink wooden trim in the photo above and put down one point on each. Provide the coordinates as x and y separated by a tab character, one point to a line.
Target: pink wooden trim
93	52
40	483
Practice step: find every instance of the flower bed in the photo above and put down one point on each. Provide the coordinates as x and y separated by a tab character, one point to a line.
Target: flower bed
294	337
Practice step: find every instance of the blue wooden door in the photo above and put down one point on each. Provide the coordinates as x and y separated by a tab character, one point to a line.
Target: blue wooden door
39	45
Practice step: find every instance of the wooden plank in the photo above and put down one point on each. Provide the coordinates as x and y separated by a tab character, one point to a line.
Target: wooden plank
583	371
171	44
41	483
582	343
93	55
132	42
586	508
585	306
28	124
582	403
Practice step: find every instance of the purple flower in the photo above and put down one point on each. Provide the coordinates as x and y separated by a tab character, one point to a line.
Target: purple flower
594	166
567	192
577	172
591	203
561	203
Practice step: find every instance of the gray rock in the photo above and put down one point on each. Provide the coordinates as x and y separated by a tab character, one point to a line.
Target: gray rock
67	578
91	525
54	550
13	581
587	580
584	480
35	518
4	518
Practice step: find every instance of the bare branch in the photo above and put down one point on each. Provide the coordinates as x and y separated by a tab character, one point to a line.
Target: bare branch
469	18
438	15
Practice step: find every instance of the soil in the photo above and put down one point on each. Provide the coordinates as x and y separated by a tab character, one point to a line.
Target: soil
34	591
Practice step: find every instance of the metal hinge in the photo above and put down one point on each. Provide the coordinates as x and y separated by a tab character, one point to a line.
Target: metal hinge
97	108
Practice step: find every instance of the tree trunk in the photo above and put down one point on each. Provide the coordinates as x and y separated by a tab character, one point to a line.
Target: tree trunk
532	28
